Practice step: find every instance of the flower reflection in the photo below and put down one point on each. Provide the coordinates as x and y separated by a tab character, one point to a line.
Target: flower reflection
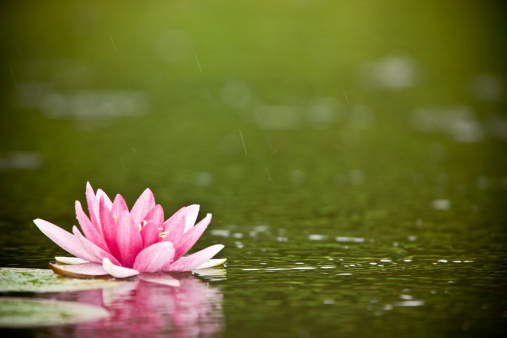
192	309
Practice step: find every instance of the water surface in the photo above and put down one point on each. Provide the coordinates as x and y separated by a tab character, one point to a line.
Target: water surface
352	155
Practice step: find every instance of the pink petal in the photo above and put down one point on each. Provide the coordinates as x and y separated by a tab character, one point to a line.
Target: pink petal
144	203
63	239
154	220
93	207
195	260
96	253
191	216
150	234
175	225
109	226
118	271
189	238
119	206
85	270
88	228
155	215
128	239
159	278
101	194
155	257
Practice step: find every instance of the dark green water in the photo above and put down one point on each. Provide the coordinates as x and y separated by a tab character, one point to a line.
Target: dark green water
353	154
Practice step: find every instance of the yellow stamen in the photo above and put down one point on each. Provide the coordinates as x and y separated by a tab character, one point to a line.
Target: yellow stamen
142	225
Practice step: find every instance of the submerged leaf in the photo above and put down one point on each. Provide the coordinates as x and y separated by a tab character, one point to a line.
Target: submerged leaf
24	313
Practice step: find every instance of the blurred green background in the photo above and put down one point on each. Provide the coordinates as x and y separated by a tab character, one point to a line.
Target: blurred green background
381	120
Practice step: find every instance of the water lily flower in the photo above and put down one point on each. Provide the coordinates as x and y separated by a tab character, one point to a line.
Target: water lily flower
123	244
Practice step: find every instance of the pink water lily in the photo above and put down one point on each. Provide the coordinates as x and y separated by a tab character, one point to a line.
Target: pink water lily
123	244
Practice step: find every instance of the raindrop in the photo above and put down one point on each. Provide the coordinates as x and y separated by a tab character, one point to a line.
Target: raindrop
349	239
356	177
220	232
410	303
237	94
297	177
203	179
441	204
175	46
488	87
394	72
230	144
21	160
316	237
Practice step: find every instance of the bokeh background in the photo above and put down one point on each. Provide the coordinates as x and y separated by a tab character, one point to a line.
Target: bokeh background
312	130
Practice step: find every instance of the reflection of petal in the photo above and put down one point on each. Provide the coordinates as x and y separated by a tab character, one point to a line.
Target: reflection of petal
159	278
111	295
211	272
194	309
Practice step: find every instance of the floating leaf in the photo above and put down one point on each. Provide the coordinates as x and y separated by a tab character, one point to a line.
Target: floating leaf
24	313
44	280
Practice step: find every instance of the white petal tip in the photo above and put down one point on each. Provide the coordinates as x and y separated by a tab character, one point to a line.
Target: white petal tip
70	260
211	263
160	278
118	271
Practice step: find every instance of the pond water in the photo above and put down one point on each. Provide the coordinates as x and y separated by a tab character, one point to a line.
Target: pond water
353	156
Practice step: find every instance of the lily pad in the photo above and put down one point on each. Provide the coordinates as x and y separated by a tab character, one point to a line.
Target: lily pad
44	280
25	313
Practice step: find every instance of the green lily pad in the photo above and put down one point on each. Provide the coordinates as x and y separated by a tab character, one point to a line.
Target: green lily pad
44	280
26	313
